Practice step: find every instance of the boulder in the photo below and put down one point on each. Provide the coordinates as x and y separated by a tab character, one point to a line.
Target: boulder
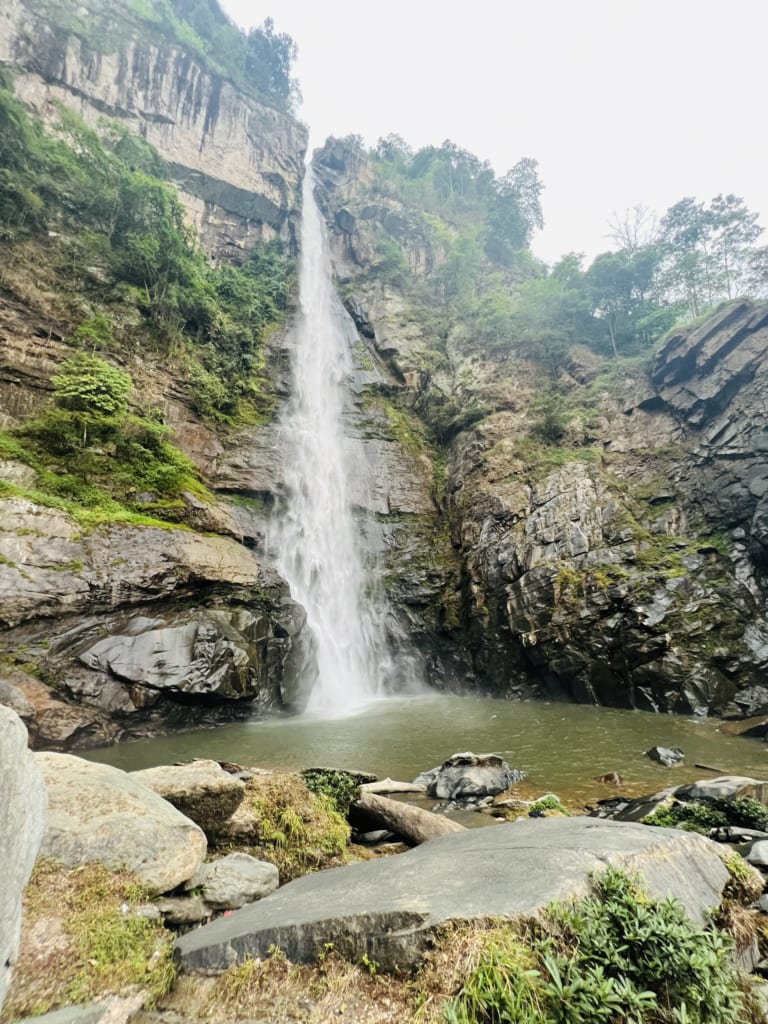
389	909
201	790
232	881
469	776
22	819
724	787
99	813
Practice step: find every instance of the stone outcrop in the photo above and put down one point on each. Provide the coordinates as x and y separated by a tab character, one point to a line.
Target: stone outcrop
469	776
99	814
237	163
388	909
139	623
22	820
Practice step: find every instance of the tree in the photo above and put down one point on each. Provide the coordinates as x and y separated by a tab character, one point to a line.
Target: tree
734	231
515	212
269	61
93	391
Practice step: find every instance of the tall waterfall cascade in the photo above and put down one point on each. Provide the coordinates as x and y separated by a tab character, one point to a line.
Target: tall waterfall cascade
316	533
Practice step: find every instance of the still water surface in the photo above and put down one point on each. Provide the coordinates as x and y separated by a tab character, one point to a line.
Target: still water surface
561	746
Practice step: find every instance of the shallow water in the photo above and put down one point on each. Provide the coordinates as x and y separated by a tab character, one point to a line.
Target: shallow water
562	747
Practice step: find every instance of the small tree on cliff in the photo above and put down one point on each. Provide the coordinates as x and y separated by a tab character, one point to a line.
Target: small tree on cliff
94	392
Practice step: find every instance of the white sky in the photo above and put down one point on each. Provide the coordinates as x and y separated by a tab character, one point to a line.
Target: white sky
620	101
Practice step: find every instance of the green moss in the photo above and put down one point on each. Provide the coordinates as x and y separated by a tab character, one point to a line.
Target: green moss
299	831
341	788
102	945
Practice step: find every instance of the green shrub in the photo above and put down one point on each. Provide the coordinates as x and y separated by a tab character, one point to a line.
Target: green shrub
617	955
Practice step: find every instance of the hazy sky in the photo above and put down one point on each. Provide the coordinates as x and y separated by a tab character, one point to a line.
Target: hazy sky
620	101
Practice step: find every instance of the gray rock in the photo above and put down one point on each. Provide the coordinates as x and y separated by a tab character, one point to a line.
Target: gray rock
757	854
90	1013
388	909
182	910
666	756
469	776
232	881
723	787
22	820
99	813
201	790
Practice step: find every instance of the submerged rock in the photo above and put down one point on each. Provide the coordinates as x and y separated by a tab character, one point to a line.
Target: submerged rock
666	756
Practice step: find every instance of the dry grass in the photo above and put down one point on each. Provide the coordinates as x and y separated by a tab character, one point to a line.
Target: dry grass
81	938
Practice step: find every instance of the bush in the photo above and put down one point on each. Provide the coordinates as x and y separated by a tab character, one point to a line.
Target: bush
617	955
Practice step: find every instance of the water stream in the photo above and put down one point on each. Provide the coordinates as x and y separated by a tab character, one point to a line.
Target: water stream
315	534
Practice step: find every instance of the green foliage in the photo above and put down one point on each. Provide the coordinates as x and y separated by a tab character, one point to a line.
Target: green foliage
299	831
744	812
616	955
102	945
90	386
342	788
128	223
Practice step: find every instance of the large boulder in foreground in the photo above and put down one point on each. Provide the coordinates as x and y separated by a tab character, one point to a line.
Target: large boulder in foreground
100	814
388	909
22	819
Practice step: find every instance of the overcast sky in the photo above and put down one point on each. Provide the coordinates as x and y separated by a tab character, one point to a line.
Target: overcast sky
621	101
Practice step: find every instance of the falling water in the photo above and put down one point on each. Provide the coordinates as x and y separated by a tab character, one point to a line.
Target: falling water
317	536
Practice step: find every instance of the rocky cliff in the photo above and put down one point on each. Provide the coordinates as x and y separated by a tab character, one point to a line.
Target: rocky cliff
622	563
237	163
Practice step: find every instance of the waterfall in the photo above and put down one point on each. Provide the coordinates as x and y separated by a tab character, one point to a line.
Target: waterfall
315	534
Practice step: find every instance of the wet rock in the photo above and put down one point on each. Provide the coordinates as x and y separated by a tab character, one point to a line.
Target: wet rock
468	775
22	820
666	756
97	813
234	880
388	909
201	790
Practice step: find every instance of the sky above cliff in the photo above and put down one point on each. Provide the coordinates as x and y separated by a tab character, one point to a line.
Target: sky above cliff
622	102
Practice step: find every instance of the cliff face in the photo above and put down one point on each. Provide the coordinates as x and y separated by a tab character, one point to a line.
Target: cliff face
121	629
624	564
237	164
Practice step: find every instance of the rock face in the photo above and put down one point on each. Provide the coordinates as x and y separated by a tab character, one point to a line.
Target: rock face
232	881
22	820
100	814
624	566
388	909
237	164
133	624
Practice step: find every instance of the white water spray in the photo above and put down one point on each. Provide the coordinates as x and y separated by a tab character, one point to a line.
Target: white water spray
316	535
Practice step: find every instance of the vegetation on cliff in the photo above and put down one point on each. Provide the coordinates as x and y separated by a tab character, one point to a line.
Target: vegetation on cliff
106	235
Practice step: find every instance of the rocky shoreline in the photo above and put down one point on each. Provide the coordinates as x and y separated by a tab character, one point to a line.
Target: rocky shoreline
216	865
